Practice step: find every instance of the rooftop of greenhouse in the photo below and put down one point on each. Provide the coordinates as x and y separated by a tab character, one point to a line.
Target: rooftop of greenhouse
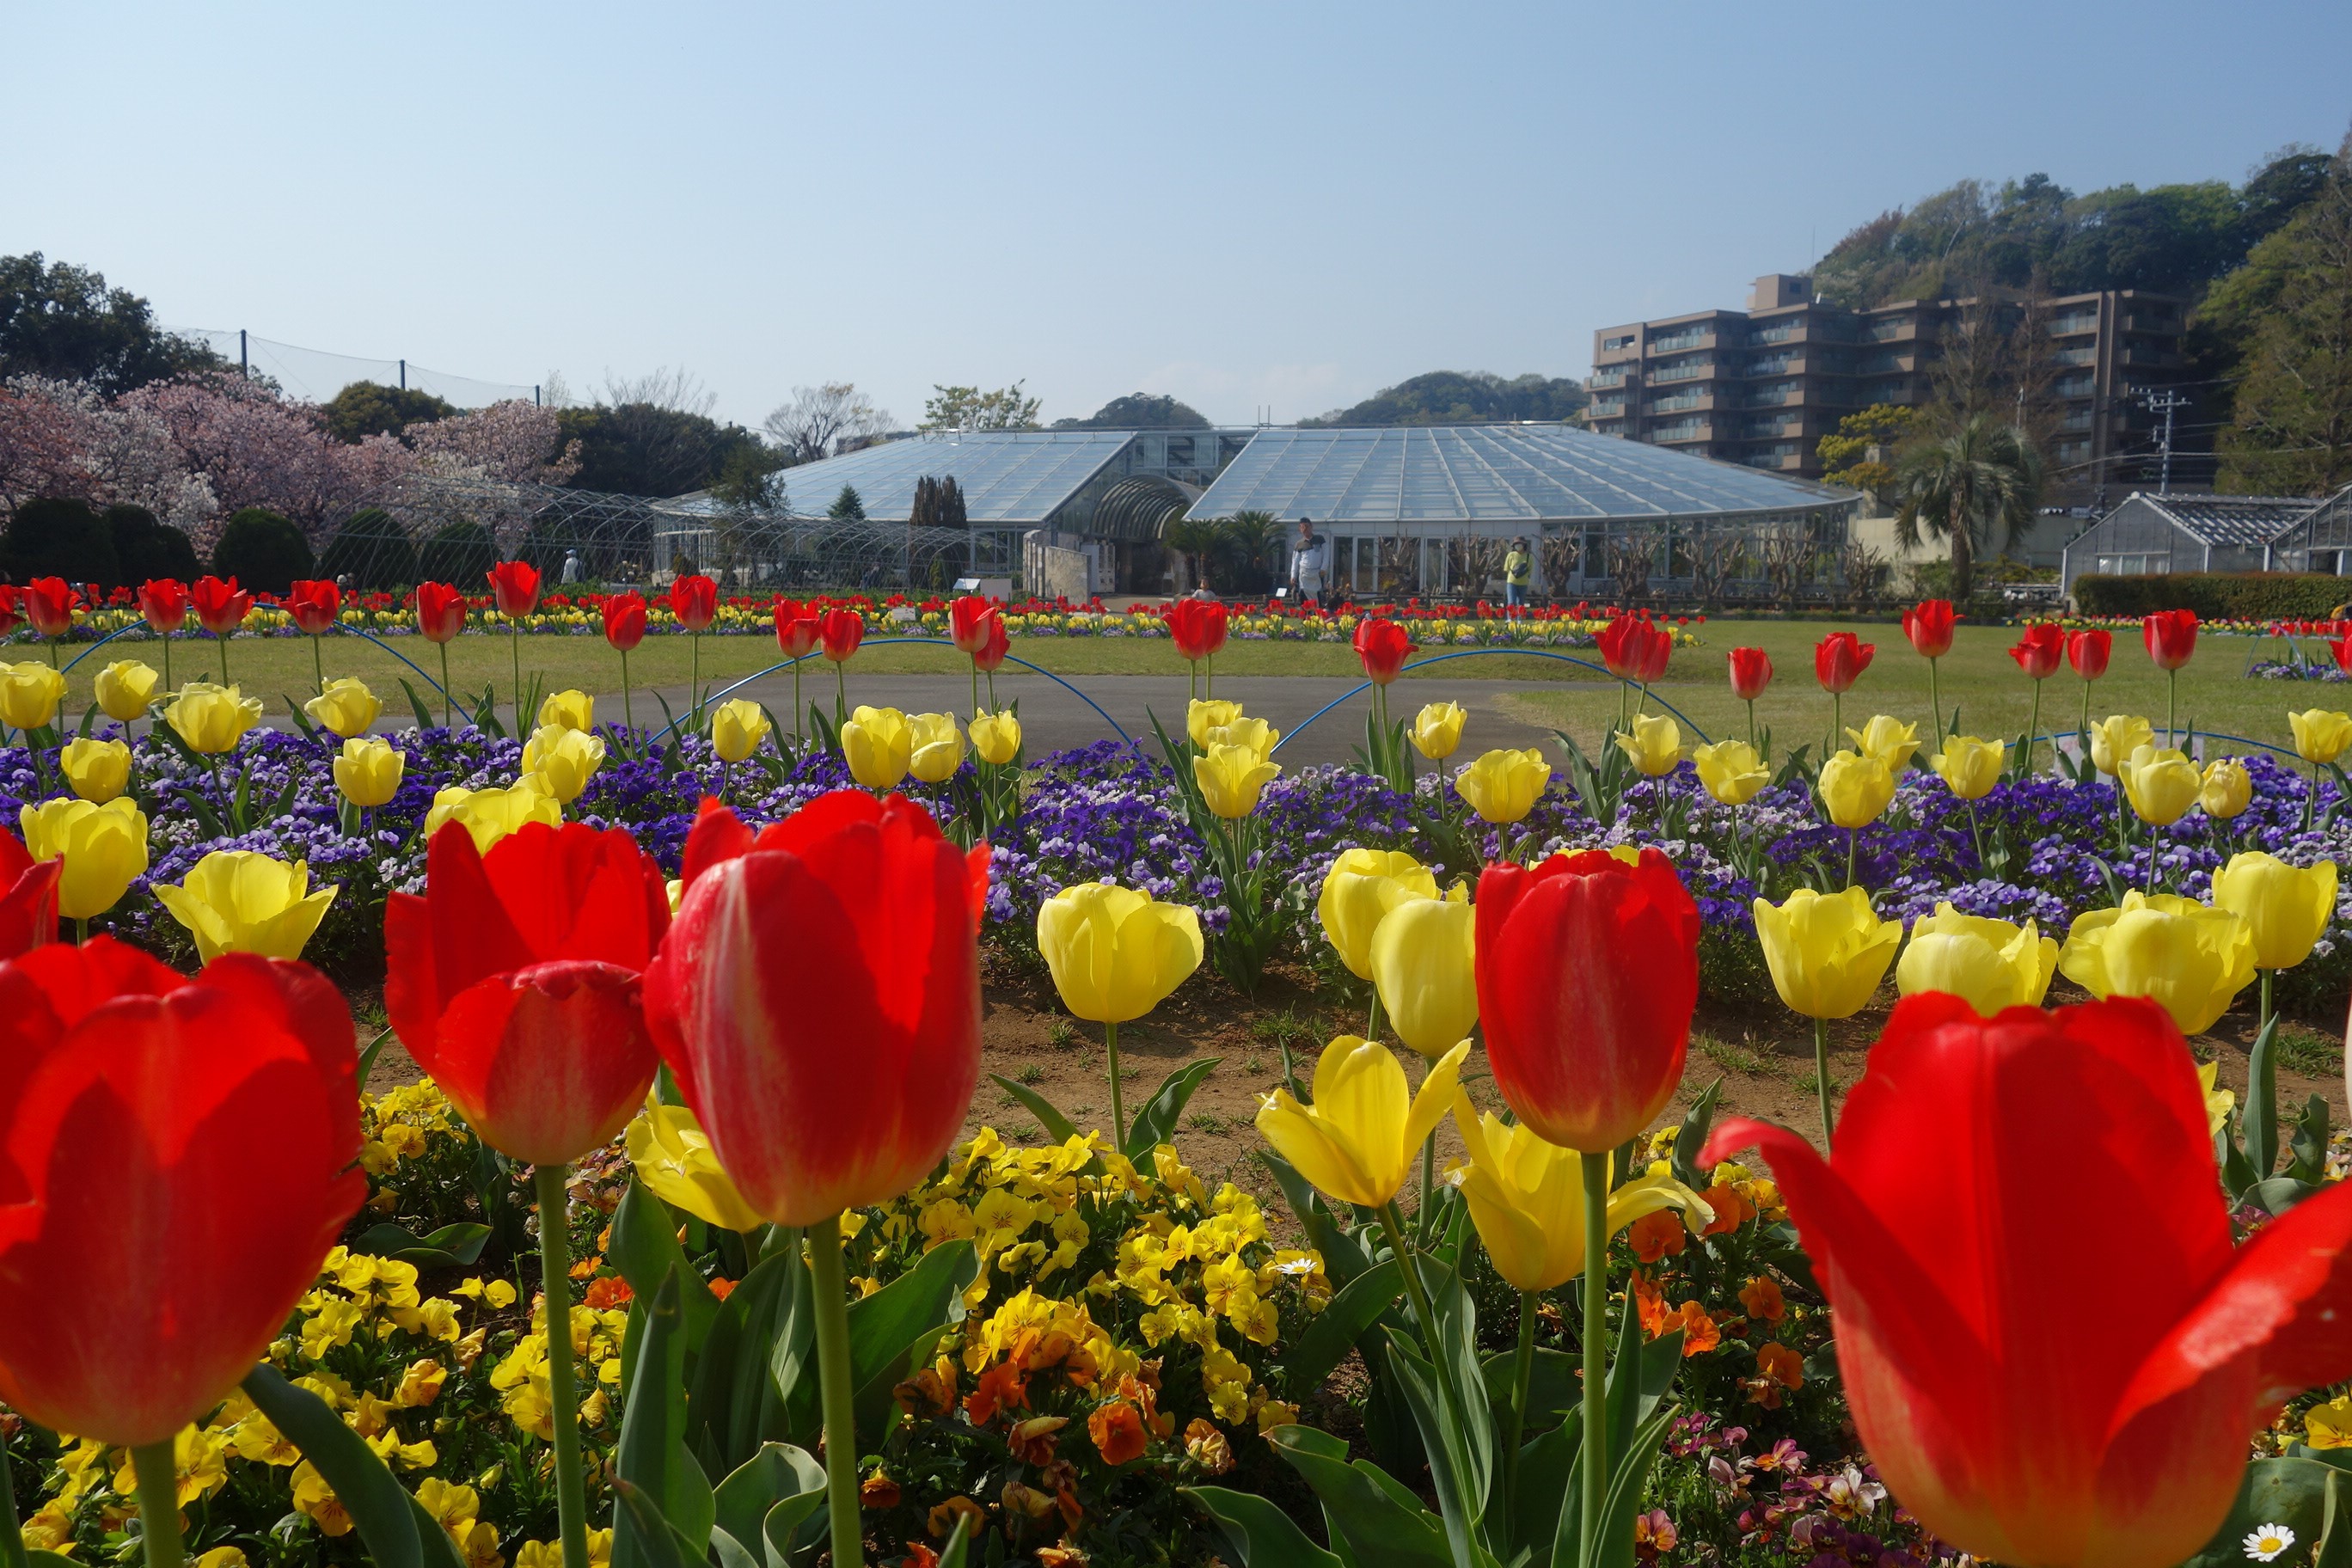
1006	476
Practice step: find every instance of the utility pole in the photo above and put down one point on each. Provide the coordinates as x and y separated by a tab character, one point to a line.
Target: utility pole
244	365
403	376
2164	403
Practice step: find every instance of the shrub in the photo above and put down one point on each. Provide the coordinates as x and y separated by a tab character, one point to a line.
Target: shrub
145	548
263	551
59	538
2215	595
372	549
460	554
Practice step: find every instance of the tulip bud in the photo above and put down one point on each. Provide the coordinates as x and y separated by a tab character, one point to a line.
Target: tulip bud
1361	1135
237	900
1827	951
1424	965
737	728
1855	789
2188	958
2161	784
1358	890
996	737
97	771
2115	738
125	688
490	814
1116	953
573	709
1656	745
29	695
1731	770
1970	766
2320	737
1752	672
878	744
1231	777
346	707
1928	625
562	760
2287	907
2228	788
1200	717
1889	740
671	1155
212	719
369	771
1437	730
1503	786
1990	964
935	747
104	848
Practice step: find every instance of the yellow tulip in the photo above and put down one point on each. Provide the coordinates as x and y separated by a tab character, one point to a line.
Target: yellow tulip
670	1153
1116	953
1656	745
2228	789
97	771
1231	777
369	771
2192	959
2219	1103
212	719
1827	951
1856	788
1255	736
346	707
2115	738
1526	1198
1988	963
236	900
1437	730
1200	717
1732	771
104	848
125	688
2320	736
1970	767
490	814
2161	784
996	737
1503	785
737	728
2287	907
1358	890
1888	740
878	743
1365	1129
29	694
1424	965
573	709
935	747
562	760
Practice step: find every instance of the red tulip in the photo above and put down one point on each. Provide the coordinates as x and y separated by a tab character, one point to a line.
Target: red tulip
440	612
221	607
694	600
28	898
2036	1387
1588	971
515	981
1197	626
796	628
2341	649
624	619
840	631
1839	660
818	997
1752	672
1383	647
2087	652
176	1156
1928	625
165	602
514	585
2172	638
1616	642
991	657
50	605
12	607
1652	650
967	623
2037	649
314	605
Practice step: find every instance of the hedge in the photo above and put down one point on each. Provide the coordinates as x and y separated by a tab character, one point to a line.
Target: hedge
2215	595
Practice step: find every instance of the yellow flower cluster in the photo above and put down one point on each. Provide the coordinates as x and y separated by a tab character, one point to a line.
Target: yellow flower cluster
521	1377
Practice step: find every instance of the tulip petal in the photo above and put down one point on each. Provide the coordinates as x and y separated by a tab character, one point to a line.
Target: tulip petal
1317	1149
547	1062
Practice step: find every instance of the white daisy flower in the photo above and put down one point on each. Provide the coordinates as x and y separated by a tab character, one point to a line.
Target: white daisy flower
2268	1541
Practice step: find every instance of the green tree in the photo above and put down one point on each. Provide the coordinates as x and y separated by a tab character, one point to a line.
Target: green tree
2291	430
1456	397
263	551
64	539
1857	455
969	408
145	548
372	550
461	554
643	449
367	408
62	320
1139	411
849	505
1973	488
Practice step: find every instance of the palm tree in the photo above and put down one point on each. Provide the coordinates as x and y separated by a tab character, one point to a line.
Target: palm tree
1974	487
1196	539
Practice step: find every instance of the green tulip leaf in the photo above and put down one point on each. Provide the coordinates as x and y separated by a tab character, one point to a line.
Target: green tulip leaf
1261	1534
1156	1123
380	1508
653	1456
1058	1126
644	1249
735	1407
905	1318
1374	1521
1334	1331
456	1246
778	1470
656	1542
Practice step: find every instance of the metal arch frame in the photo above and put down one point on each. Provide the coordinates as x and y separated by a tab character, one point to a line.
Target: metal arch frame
1476	653
348	631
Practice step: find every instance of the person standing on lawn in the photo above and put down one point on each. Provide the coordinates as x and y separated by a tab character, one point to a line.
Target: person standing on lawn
1518	574
1310	563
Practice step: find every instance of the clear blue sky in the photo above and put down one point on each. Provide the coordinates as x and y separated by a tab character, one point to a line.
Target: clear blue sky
1242	204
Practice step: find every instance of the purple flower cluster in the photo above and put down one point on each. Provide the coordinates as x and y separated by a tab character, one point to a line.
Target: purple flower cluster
1104	812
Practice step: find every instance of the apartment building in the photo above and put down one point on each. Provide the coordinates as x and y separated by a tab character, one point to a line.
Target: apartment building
1762	386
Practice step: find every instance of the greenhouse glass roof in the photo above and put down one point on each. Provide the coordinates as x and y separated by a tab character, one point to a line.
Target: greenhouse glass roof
1478	473
1006	476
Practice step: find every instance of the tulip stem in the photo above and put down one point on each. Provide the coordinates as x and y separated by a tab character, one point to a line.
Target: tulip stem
833	1370
1428	1181
1751	722
562	1397
628	712
1118	1105
1424	1315
1935	704
2267	974
1373	1024
447	715
218	640
81	930
159	1502
1594	1462
2032	728
840	693
166	638
1522	1384
1853	842
2086	715
2171	703
12	1537
695	678
318	666
514	647
1822	1076
2311	799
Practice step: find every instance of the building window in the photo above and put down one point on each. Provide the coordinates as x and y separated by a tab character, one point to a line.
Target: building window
1624	340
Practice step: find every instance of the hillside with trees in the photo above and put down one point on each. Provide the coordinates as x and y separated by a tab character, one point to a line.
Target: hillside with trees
1139	411
1457	397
